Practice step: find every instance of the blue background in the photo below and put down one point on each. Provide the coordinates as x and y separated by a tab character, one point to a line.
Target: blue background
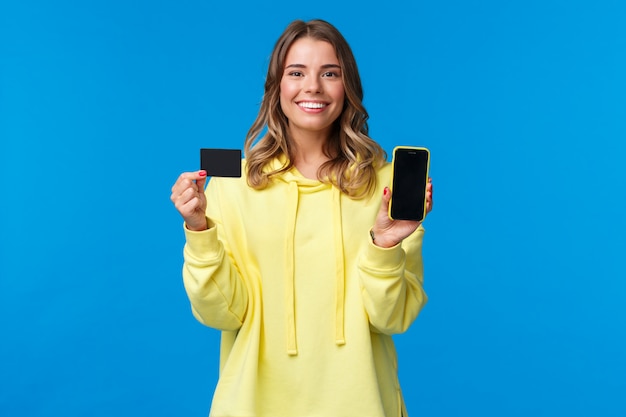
522	103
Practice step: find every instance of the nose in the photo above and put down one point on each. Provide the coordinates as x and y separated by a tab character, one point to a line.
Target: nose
313	85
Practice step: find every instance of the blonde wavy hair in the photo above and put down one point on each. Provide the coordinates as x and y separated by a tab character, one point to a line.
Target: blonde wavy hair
354	156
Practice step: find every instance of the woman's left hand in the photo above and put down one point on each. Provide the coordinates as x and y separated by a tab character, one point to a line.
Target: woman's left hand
387	232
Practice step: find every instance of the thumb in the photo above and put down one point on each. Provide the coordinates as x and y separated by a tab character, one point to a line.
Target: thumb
384	204
201	180
386	197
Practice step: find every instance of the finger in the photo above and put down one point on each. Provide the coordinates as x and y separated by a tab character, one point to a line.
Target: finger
201	182
181	186
187	177
190	200
384	206
190	209
195	175
187	180
387	195
382	219
429	201
181	199
184	178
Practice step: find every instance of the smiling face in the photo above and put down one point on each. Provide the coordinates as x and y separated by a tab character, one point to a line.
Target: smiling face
311	88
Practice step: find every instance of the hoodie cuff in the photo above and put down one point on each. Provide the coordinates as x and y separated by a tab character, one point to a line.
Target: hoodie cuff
202	243
377	257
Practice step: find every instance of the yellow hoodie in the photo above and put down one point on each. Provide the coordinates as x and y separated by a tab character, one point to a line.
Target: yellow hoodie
305	301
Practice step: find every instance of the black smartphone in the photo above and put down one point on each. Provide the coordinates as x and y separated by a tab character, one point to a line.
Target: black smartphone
221	162
409	179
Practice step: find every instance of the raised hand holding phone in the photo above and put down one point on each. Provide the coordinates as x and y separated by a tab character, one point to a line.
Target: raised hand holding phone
410	198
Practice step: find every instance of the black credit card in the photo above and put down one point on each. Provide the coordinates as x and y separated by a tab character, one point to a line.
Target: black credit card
221	162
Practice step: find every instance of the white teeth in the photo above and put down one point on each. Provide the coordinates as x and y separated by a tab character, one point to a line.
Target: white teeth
312	105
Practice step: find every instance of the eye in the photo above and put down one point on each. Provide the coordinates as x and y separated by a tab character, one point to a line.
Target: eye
330	74
295	74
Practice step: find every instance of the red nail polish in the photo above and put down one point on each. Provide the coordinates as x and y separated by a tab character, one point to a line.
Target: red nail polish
386	190
202	173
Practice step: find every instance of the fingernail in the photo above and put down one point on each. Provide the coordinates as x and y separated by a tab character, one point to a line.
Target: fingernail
386	190
202	173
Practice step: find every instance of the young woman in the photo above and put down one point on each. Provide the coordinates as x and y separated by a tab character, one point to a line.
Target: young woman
297	262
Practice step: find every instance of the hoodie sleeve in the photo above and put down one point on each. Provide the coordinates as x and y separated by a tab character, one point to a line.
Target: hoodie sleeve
213	284
391	284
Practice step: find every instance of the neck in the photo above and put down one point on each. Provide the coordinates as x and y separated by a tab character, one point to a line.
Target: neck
309	152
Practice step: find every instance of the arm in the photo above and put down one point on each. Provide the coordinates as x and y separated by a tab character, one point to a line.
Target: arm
392	271
391	281
217	294
215	289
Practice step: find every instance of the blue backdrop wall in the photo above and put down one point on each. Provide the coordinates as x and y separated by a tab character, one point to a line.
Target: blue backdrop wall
104	103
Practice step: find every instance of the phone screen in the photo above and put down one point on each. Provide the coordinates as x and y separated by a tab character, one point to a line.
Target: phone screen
408	186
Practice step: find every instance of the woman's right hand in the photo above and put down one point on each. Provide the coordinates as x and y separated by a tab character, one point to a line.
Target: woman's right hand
189	199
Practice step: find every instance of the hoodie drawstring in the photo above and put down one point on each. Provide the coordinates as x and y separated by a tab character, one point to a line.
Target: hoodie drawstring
340	338
292	210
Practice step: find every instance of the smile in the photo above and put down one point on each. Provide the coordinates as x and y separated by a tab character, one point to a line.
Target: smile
312	105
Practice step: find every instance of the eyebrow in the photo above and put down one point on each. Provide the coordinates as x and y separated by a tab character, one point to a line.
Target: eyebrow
325	66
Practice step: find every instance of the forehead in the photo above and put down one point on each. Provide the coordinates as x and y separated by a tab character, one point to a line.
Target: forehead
312	51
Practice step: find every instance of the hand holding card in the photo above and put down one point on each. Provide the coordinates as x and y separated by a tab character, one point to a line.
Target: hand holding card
221	162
